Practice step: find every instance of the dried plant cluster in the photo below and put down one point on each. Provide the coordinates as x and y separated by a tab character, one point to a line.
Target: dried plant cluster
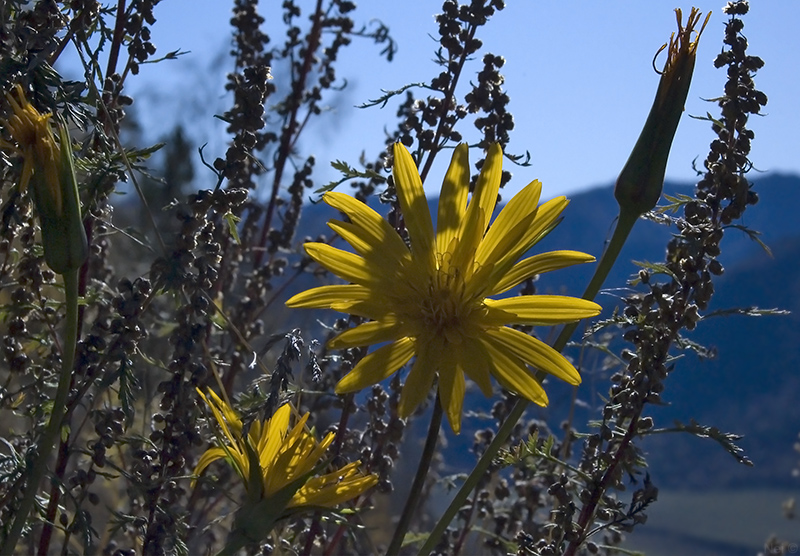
202	306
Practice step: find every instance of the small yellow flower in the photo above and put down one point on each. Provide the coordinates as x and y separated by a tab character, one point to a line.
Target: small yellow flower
284	456
36	144
639	185
434	298
47	166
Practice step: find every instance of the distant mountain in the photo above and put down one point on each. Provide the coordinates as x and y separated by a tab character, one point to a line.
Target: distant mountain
752	387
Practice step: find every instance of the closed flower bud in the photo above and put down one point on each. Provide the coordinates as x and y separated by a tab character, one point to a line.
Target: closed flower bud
49	171
639	185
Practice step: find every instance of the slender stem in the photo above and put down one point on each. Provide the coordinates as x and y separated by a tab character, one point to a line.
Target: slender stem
50	434
313	531
419	481
290	128
624	226
55	495
446	104
588	510
341	432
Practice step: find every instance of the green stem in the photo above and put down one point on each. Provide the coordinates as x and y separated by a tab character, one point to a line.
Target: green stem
50	434
624	226
419	481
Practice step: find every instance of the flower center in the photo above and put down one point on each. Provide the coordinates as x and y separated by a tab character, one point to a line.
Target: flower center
443	309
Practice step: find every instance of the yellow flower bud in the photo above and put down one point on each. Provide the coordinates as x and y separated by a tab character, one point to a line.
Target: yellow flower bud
48	169
639	185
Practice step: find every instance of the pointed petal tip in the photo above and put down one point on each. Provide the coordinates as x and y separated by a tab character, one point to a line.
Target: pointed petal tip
495	149
342	389
455	424
542	402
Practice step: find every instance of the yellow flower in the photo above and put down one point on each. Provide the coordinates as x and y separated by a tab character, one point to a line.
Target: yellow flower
284	457
35	143
639	185
47	166
434	298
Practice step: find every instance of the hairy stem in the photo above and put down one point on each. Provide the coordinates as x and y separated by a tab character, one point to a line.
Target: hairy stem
588	510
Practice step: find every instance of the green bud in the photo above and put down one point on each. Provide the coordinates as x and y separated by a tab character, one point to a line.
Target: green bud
639	185
63	234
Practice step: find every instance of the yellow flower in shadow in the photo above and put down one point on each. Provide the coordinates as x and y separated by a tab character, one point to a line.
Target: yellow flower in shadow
434	298
273	456
47	167
35	143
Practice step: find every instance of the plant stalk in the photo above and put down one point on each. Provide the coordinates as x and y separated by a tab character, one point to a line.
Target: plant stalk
419	481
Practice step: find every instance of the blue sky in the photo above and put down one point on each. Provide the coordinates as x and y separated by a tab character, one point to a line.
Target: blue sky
579	75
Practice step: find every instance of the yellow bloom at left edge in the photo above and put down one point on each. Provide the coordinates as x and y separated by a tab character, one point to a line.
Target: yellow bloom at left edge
47	167
435	298
285	456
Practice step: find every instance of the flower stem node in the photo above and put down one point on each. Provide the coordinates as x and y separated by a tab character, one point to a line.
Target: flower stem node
49	170
435	298
639	185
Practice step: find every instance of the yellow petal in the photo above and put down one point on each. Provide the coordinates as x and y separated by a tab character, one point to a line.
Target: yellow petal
521	208
386	262
292	460
451	393
488	184
325	297
539	264
512	374
368	333
315	452
209	456
275	434
389	249
378	365
414	205
334	488
220	419
473	360
539	310
375	229
348	266
463	254
231	417
354	299
546	216
419	381
533	352
453	198
254	434
373	309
